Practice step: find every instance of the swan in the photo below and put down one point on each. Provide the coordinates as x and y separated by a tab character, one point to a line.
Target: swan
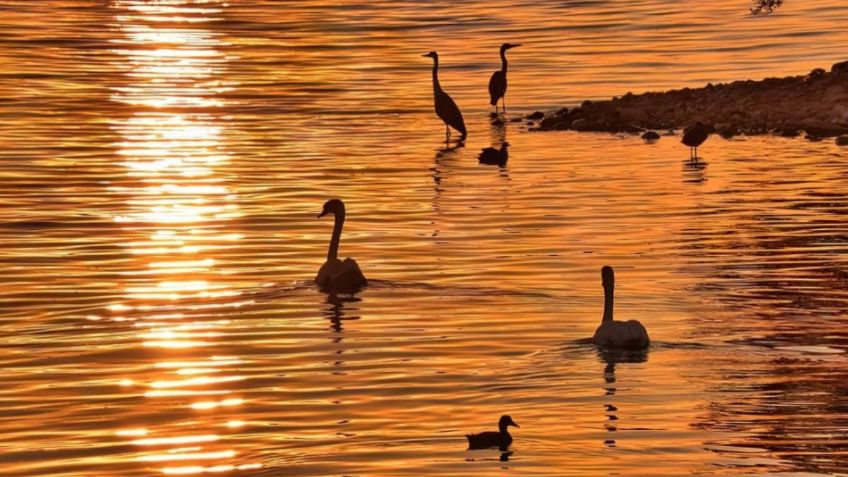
337	276
629	335
486	440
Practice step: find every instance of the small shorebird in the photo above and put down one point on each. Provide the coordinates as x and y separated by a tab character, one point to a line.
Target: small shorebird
693	136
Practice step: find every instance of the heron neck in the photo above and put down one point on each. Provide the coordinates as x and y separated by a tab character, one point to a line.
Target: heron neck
608	303
436	85
333	251
503	61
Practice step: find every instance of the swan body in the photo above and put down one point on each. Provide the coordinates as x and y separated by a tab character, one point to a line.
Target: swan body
497	83
611	334
338	276
446	108
495	157
486	440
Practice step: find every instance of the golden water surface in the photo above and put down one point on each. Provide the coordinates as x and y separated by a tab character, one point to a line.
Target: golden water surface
162	164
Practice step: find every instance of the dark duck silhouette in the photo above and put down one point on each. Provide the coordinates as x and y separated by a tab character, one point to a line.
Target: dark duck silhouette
693	136
497	83
446	108
337	276
487	440
495	157
611	334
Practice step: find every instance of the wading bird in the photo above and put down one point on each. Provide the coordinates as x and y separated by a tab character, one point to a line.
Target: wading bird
486	440
494	157
497	83
337	276
446	108
611	334
693	136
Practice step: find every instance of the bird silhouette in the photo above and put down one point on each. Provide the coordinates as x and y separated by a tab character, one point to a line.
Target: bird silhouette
626	335
446	108
497	83
693	136
494	157
500	439
337	276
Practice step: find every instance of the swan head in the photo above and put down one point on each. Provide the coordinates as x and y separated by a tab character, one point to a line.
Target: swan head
608	277
432	54
508	46
505	422
332	206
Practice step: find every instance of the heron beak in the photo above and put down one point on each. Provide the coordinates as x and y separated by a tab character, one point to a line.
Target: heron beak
323	213
515	45
426	54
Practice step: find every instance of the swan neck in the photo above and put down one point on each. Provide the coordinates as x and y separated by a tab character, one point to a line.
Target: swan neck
333	251
608	303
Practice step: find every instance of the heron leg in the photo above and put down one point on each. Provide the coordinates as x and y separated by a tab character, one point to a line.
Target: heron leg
504	103
447	133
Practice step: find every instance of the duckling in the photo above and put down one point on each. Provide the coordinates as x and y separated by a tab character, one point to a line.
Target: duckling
494	157
611	334
486	440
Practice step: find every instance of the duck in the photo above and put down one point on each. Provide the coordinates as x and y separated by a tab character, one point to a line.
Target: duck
494	157
612	334
337	276
500	439
693	136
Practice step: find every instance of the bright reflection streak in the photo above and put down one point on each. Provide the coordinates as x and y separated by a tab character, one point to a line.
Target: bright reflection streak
177	209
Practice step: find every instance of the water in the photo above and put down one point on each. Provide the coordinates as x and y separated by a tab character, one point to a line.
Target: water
163	163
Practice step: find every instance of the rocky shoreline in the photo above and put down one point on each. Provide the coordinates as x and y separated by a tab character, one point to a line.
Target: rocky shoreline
815	105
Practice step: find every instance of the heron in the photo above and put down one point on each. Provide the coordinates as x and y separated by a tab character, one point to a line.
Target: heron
497	83
446	108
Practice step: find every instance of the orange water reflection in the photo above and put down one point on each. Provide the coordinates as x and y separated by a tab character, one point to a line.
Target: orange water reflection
178	212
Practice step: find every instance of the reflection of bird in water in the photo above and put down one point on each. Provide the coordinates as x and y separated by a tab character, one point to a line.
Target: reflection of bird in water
617	334
337	276
438	170
497	83
335	312
495	157
500	439
611	358
694	172
693	136
446	108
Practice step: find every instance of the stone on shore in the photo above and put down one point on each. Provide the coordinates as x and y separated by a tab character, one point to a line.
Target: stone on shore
815	104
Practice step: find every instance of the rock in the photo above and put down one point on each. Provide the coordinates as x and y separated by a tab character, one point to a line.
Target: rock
651	136
815	127
842	141
516	120
530	123
536	115
839	68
